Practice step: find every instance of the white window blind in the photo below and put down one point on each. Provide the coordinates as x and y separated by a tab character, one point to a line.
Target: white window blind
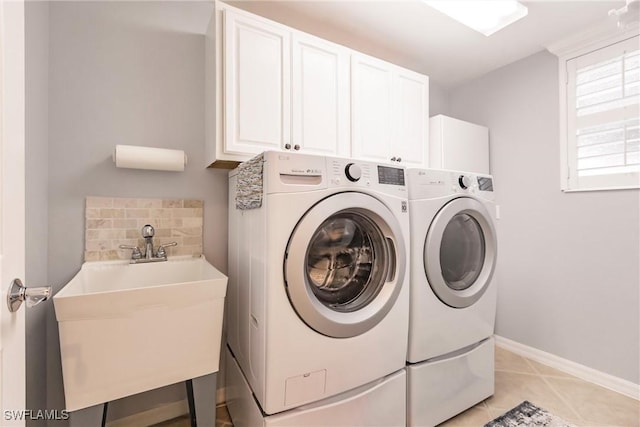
603	118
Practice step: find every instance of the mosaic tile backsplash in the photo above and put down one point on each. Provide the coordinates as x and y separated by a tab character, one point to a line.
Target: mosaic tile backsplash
111	222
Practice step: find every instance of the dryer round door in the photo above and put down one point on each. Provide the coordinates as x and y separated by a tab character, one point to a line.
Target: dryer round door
344	265
460	252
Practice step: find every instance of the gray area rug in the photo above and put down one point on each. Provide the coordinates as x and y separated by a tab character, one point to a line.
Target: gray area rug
527	414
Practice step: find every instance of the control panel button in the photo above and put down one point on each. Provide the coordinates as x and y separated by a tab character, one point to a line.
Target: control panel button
464	182
353	172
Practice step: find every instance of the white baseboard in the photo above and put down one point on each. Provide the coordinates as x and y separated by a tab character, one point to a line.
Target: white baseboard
583	372
153	416
221	396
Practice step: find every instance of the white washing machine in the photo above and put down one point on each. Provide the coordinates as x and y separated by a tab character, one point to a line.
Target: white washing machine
318	293
453	293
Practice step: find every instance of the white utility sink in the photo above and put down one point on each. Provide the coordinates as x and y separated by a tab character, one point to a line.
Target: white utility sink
127	328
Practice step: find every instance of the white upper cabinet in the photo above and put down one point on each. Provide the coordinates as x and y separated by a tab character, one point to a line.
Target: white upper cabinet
458	145
271	87
390	112
320	96
372	108
411	118
257	90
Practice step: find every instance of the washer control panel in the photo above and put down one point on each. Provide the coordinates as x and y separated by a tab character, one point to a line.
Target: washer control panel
353	172
349	172
390	175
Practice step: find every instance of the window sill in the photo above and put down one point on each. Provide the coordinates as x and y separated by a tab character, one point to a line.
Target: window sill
582	190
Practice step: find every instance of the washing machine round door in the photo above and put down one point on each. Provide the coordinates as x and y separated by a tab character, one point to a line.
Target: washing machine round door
460	252
344	265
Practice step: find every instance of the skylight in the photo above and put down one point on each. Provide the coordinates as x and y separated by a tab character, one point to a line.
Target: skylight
484	16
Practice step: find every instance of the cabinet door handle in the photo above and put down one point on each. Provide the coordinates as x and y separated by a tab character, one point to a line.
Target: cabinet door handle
399	159
393	159
287	146
296	147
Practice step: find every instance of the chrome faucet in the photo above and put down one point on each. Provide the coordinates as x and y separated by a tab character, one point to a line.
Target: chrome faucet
148	232
136	254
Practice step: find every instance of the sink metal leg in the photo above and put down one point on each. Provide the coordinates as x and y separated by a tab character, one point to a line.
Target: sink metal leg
104	414
192	405
204	400
91	416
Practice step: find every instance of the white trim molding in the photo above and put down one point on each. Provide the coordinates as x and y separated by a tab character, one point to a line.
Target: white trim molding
590	40
591	375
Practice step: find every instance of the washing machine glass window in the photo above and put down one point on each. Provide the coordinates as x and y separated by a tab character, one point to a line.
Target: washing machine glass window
460	252
342	261
344	265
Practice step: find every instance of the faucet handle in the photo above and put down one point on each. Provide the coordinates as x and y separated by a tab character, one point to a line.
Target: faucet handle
161	253
135	251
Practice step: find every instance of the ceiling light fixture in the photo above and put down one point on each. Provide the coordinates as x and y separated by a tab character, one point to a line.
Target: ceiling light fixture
628	15
484	16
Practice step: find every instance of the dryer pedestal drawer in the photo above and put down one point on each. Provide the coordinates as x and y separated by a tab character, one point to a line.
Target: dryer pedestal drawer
441	389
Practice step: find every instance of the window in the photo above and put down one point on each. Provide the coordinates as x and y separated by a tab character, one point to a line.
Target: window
602	141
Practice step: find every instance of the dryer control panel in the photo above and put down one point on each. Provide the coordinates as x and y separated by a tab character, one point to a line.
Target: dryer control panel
482	183
465	182
432	183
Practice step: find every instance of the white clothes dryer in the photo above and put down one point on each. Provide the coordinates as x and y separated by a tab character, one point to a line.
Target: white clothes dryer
453	293
318	292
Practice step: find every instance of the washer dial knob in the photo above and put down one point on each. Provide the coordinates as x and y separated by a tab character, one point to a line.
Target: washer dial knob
353	172
464	181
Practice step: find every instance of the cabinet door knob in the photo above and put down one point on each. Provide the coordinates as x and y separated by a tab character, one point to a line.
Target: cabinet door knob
393	159
296	147
398	159
287	146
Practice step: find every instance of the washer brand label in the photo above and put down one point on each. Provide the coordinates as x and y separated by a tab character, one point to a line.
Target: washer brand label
404	206
307	171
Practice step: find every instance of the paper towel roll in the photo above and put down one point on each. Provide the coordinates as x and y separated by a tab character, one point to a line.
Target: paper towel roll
161	159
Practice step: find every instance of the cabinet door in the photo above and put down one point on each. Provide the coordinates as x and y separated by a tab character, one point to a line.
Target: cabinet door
460	145
257	86
411	118
372	108
320	96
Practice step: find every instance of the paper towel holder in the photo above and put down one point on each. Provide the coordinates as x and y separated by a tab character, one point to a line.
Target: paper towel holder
149	158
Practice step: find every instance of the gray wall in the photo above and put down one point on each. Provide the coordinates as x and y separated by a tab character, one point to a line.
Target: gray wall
568	265
438	99
37	135
124	73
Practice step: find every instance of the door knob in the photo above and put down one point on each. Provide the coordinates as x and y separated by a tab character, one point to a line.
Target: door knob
19	293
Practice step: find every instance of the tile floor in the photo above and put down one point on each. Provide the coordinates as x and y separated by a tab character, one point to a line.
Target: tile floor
517	378
222	420
579	402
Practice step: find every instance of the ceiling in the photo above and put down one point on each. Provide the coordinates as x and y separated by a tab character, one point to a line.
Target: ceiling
415	36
